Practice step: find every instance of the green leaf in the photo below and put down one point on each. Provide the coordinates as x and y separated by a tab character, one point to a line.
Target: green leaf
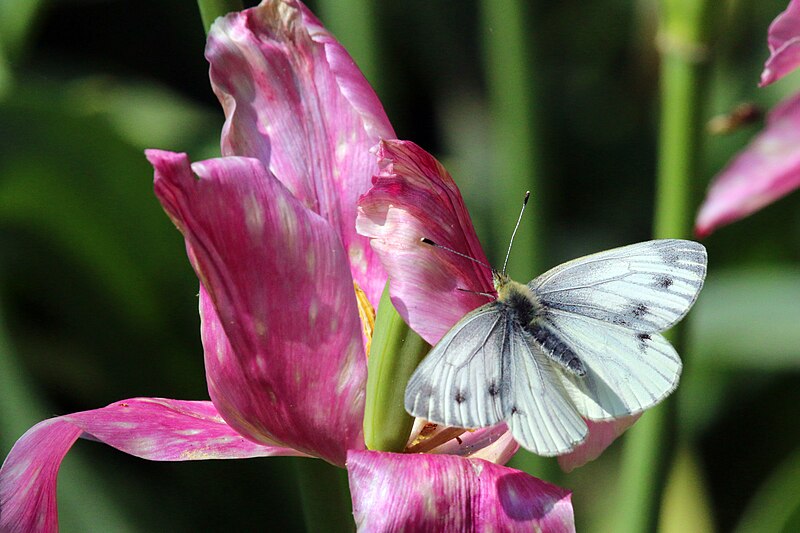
396	351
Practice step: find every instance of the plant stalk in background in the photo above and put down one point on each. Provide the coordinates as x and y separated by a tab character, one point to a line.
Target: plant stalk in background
683	42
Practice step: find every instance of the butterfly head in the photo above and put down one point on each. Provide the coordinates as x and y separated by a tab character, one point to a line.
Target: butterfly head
501	281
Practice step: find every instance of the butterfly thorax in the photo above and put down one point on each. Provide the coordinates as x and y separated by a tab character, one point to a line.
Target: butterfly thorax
525	307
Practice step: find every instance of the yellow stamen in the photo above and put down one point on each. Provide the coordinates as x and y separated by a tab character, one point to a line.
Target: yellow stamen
432	436
367	314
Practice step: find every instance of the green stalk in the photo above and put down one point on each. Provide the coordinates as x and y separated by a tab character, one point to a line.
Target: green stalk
396	351
684	34
211	9
325	496
509	70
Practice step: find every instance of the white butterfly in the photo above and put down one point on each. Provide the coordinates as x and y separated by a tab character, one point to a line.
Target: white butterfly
580	341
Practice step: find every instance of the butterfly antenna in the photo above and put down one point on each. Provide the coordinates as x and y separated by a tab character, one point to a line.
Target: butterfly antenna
524	203
431	243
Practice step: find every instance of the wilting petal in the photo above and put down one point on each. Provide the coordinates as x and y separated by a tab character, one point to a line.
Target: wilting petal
414	197
420	492
783	39
601	435
493	444
766	170
282	337
295	99
151	428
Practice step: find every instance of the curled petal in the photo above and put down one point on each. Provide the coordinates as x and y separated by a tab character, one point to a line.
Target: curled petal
152	428
414	197
280	327
294	99
494	444
768	169
783	38
421	492
601	435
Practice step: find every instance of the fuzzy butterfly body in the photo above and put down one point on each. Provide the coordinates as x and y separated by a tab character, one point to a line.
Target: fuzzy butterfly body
581	341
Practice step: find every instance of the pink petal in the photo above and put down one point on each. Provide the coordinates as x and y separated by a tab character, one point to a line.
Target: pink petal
280	326
420	492
783	38
295	99
601	435
151	428
494	444
768	169
414	197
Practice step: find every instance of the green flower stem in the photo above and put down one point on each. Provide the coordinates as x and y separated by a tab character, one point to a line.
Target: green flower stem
509	68
683	41
516	151
396	351
325	496
211	9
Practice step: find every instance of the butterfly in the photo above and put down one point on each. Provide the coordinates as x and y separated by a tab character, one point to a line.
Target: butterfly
580	342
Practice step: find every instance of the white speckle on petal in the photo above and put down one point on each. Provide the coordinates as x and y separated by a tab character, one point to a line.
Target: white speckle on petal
346	371
261	363
260	327
311	261
188	432
430	501
254	217
341	149
355	253
288	218
477	466
313	311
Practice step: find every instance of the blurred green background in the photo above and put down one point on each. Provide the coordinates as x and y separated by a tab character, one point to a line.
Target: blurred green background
98	303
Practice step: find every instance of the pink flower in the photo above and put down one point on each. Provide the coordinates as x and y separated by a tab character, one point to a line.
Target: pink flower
445	493
286	288
783	38
414	197
769	167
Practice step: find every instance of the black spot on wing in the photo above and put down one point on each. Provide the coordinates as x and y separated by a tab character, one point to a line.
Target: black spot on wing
669	255
639	310
493	389
460	397
644	338
664	282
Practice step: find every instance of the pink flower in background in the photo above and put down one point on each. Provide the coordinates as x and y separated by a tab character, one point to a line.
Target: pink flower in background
287	287
769	167
783	38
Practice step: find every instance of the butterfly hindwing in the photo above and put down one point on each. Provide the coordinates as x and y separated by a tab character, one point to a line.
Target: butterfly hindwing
626	371
645	287
464	380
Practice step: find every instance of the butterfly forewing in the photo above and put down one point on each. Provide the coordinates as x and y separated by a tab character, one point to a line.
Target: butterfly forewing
464	380
645	287
626	371
542	418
